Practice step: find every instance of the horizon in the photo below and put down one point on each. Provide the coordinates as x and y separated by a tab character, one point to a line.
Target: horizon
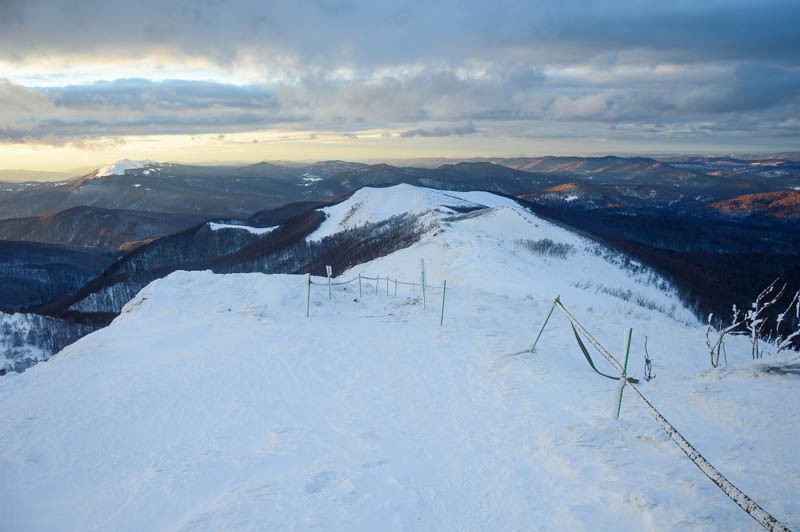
242	81
11	175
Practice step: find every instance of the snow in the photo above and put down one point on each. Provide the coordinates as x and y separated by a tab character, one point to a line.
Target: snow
309	179
571	198
212	402
119	167
214	226
370	205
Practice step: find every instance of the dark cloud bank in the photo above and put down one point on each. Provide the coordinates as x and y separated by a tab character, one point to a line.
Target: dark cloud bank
691	70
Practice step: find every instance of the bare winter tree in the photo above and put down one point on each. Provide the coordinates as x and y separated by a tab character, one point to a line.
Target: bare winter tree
718	345
784	340
756	317
785	335
648	363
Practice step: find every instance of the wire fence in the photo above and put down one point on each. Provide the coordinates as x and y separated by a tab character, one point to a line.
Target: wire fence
745	502
377	285
391	286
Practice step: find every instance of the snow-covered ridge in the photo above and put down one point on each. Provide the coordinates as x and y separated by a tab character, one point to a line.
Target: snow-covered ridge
215	226
371	205
212	402
119	167
482	239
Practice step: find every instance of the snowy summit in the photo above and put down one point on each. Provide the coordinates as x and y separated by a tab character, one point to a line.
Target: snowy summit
119	167
212	402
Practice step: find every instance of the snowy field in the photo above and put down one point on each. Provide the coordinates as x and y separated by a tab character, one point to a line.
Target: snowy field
213	403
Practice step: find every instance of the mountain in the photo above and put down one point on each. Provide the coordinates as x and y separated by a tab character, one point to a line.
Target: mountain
148	186
33	274
670	215
239	191
94	227
237	247
609	167
625	196
783	204
213	402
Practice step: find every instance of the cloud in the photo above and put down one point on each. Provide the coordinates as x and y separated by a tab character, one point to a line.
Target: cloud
134	107
410	69
466	129
328	34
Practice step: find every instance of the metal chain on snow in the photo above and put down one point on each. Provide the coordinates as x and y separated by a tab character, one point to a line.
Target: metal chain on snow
736	495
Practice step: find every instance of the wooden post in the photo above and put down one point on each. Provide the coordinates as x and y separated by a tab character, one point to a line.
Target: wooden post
377	281
359	284
387	285
395	287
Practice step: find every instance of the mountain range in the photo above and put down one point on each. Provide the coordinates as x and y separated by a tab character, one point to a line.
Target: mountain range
719	229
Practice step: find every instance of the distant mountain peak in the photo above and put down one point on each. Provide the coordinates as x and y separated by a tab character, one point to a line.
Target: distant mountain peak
119	167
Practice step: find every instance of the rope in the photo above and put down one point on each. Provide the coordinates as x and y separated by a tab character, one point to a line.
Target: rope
339	283
736	495
364	278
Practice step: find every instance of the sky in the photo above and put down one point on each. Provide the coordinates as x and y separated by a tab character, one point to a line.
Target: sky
84	83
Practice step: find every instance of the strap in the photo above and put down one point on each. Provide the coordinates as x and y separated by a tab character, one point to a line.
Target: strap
589	358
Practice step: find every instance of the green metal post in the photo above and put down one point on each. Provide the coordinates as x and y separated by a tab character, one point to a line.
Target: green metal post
624	371
444	291
541	330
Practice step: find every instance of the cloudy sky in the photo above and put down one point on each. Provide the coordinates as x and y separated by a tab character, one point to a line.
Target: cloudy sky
87	82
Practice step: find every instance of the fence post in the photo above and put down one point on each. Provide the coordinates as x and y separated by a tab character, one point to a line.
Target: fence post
308	295
395	287
387	285
377	281
624	373
329	271
541	330
359	284
444	291
422	266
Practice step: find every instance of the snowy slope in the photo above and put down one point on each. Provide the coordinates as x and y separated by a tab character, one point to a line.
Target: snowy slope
213	403
119	167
